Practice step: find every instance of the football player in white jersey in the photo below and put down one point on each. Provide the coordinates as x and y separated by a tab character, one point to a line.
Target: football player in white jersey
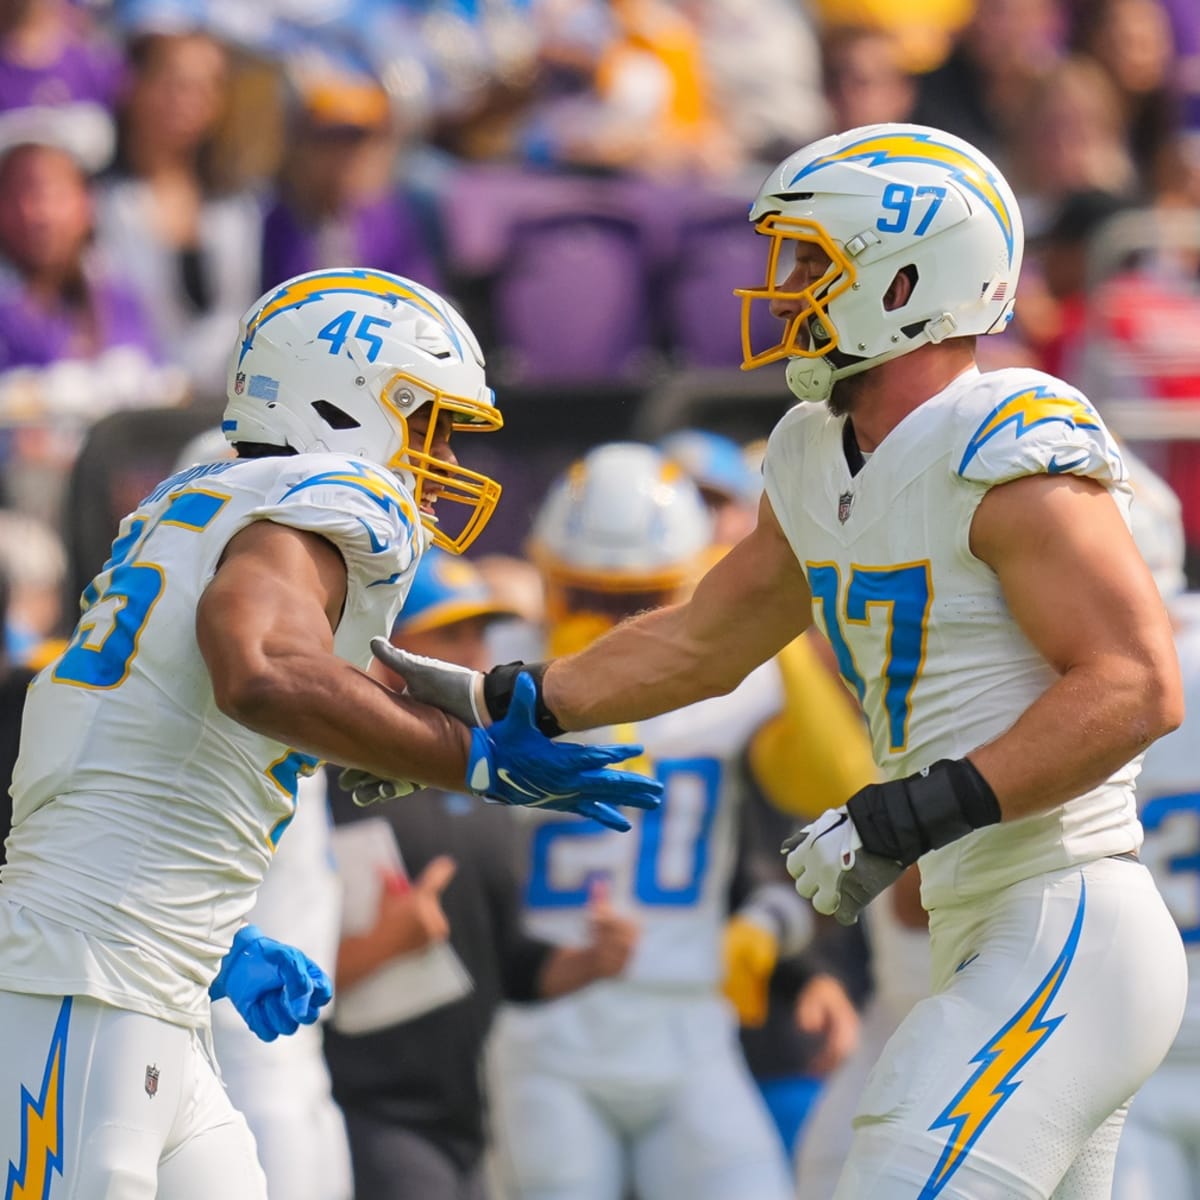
962	539
217	661
636	1084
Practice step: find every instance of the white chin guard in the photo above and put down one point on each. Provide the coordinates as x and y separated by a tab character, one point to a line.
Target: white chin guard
810	379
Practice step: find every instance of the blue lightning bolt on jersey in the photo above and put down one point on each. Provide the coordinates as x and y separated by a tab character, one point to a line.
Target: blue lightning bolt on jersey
143	817
919	625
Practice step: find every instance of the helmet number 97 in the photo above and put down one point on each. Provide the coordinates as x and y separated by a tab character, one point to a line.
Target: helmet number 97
338	330
898	200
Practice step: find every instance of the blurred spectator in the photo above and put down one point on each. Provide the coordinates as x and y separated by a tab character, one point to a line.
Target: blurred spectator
1131	40
186	241
980	91
763	67
864	79
34	564
1053	308
1176	182
1073	139
338	203
923	29
410	1090
51	54
57	300
75	342
641	103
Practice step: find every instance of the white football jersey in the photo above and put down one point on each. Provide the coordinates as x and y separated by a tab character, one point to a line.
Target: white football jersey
919	625
1168	793
143	817
671	871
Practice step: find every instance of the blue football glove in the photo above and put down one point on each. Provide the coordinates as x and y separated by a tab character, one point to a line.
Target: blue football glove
276	988
512	762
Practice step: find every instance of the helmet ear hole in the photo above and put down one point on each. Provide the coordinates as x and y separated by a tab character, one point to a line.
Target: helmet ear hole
900	290
334	417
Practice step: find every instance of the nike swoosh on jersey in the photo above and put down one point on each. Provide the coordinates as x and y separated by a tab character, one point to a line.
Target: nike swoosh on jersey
1057	468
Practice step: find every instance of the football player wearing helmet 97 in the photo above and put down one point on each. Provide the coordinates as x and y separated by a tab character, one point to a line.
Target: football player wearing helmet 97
218	660
962	539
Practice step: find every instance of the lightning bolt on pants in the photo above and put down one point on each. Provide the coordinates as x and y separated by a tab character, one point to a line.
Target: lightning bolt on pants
1053	1001
98	1103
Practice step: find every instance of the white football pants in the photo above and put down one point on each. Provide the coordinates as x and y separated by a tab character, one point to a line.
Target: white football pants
1054	1000
98	1103
612	1091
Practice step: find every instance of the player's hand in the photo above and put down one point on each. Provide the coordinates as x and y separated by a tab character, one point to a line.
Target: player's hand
410	915
366	789
827	860
824	1010
514	763
750	953
275	987
612	938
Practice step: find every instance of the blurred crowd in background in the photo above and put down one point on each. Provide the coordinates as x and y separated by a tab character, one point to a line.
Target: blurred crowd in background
575	174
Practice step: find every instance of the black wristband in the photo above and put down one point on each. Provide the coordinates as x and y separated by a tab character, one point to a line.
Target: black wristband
498	685
905	818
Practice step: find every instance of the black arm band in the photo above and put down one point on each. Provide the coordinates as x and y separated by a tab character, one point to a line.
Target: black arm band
905	818
498	685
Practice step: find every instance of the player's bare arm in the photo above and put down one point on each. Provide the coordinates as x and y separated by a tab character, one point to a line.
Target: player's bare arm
1077	586
744	611
265	627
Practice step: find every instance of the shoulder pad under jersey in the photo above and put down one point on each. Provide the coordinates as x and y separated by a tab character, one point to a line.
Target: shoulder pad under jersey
365	511
1019	422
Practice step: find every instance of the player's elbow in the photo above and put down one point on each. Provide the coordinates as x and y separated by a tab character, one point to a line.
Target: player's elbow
1161	700
1167	704
247	694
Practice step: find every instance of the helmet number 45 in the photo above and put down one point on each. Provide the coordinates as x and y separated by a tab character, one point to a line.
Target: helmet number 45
337	331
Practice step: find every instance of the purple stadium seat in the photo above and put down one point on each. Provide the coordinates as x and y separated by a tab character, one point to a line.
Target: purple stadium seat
716	254
569	301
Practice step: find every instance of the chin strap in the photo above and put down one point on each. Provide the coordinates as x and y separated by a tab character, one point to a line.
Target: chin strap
812	379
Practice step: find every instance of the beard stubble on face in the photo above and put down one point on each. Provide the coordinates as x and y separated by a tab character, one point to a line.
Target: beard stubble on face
843	396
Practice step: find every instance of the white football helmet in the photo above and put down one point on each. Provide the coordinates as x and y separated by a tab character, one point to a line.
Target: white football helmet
880	200
624	529
338	360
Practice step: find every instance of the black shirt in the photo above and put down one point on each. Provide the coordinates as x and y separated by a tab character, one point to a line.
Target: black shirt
423	1073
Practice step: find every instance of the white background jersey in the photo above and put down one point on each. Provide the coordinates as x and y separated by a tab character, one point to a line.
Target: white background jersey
144	818
671	871
919	625
1168	793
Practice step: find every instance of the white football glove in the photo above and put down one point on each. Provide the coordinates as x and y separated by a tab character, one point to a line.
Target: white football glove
455	690
830	867
366	789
